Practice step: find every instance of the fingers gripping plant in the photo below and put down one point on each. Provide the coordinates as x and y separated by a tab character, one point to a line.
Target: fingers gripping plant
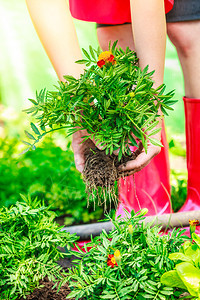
113	100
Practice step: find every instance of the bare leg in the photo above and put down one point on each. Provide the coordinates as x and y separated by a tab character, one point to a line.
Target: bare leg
186	38
122	33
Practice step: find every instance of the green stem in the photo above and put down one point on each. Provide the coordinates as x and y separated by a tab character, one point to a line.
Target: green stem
116	292
119	264
46	132
135	294
156	295
132	240
137	126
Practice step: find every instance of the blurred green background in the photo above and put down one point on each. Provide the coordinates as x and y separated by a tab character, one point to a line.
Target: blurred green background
25	68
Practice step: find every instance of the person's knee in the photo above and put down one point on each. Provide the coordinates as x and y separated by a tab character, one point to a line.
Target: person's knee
182	39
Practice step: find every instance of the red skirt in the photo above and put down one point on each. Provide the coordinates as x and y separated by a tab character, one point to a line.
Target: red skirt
106	11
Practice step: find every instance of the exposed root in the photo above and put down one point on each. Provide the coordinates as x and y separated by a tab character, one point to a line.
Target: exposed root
100	174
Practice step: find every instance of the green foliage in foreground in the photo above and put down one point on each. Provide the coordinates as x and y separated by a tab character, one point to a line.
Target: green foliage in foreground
186	274
142	261
28	247
111	103
48	173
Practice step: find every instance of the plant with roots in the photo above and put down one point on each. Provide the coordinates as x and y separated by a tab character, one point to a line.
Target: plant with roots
114	101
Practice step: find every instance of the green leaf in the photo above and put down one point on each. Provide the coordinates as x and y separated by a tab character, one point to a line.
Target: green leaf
24	151
92	52
162	90
42	127
164	111
113	47
145	145
132	140
155	142
120	154
30	136
26	143
109	296
82	61
33	101
196	238
151	126
71	78
153	132
149	120
30	110
136	132
35	129
190	276
179	256
73	294
86	53
172	279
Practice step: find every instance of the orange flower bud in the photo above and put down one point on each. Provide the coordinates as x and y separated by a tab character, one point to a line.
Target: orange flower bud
131	94
193	222
144	211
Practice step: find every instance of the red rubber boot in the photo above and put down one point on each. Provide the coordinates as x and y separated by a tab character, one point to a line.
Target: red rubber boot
150	187
192	130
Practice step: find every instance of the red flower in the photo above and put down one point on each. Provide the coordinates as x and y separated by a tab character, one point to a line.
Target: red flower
101	63
111	58
106	58
111	261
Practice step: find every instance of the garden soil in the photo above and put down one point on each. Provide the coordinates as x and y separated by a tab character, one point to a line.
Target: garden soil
46	292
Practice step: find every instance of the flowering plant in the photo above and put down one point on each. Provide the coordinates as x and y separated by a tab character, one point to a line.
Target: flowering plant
126	263
114	100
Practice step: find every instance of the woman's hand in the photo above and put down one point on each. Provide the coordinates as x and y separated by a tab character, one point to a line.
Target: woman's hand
141	161
80	148
143	158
